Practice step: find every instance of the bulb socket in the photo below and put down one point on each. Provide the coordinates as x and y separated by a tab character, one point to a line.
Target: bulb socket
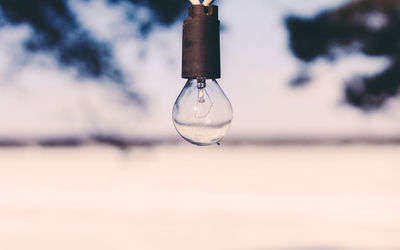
201	43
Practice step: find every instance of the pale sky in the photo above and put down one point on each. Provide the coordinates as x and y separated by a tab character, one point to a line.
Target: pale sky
40	99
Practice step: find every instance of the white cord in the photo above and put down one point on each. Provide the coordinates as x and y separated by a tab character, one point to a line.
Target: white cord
195	2
205	2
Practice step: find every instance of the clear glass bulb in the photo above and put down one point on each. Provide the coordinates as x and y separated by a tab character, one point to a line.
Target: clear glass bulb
202	113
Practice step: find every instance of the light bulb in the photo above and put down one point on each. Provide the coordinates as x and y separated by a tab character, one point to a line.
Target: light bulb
202	113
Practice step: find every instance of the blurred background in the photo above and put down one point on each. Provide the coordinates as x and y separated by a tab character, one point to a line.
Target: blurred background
90	159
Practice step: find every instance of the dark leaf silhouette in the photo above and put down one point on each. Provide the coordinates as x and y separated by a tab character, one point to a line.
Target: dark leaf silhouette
371	27
58	32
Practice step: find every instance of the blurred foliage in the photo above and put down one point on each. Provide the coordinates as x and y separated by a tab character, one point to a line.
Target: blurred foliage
371	27
164	11
57	31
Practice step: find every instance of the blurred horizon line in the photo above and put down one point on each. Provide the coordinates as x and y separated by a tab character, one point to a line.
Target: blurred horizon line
123	142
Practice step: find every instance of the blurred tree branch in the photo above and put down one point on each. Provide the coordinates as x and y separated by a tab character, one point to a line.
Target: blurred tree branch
58	32
371	27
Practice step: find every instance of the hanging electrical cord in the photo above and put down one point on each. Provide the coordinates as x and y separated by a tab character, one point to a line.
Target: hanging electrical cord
195	2
205	2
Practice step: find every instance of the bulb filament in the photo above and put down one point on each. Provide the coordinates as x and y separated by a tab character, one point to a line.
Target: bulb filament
204	103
